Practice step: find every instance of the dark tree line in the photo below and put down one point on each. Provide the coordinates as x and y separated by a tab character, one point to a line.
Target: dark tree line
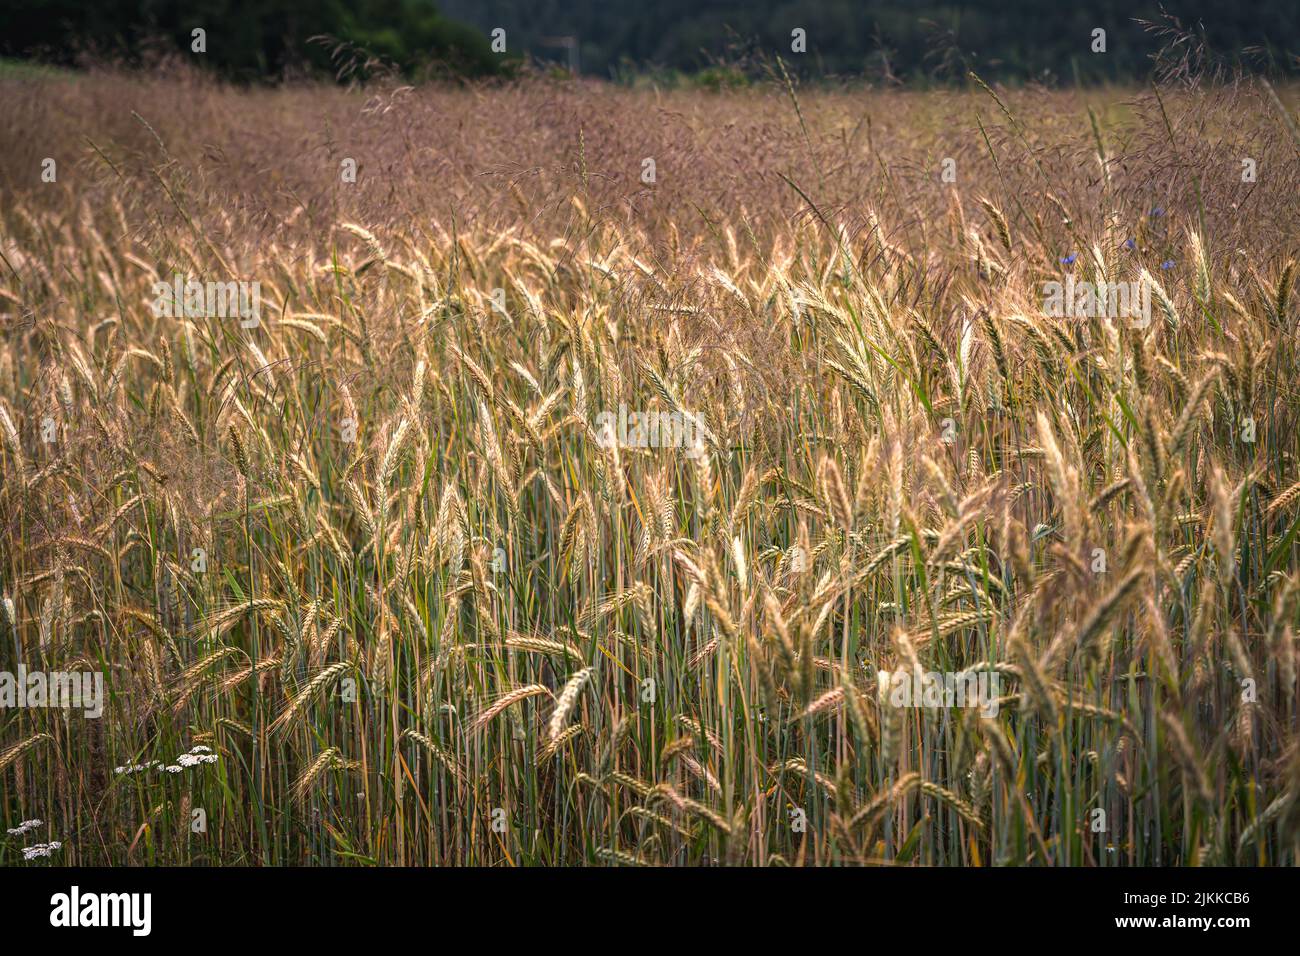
250	39
903	39
885	40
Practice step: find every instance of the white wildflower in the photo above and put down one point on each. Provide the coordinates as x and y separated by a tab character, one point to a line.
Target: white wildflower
40	850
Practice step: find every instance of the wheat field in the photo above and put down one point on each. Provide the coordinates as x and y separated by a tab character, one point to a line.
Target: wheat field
368	581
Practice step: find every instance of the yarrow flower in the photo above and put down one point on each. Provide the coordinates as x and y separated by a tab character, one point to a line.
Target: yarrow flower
198	754
24	827
136	768
193	759
41	849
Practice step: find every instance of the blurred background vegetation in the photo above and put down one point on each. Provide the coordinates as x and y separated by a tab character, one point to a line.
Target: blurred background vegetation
252	39
706	42
900	40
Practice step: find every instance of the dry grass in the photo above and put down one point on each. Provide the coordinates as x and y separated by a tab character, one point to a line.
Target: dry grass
382	684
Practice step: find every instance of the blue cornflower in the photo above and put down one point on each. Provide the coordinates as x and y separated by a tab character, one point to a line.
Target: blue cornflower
1129	244
1158	211
1167	264
1069	260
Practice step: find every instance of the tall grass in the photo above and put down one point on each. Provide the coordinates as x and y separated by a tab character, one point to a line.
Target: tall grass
478	634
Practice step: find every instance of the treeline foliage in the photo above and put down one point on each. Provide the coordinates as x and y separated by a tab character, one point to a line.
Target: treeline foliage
726	42
248	39
899	39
